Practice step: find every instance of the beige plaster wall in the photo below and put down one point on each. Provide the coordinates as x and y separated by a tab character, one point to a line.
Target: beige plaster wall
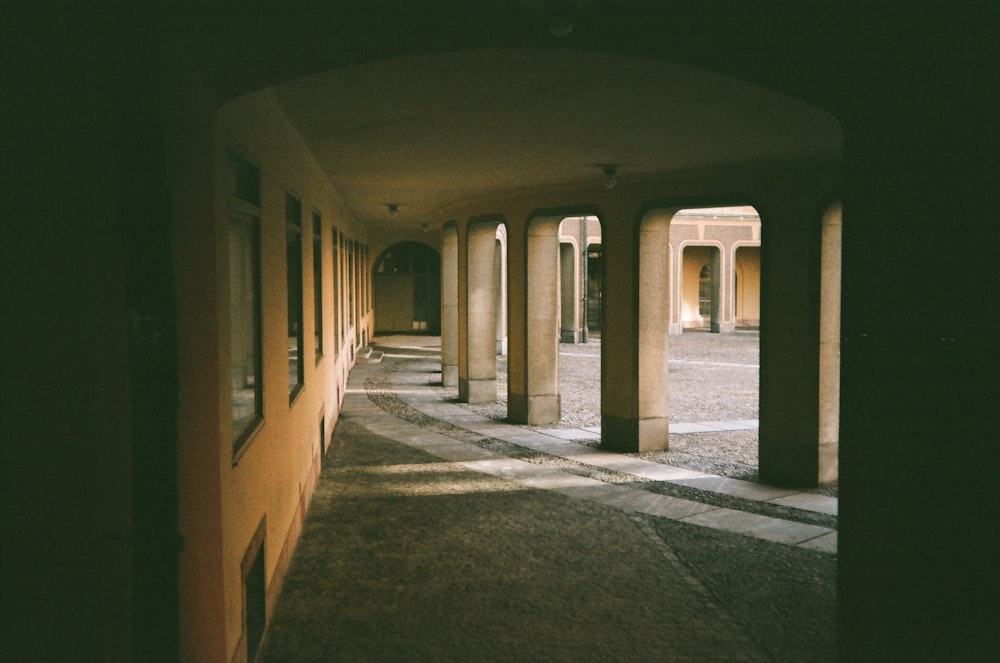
394	302
694	232
275	474
747	298
694	258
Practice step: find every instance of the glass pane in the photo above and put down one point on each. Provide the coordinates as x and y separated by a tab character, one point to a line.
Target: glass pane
318	283
243	179
293	218
244	306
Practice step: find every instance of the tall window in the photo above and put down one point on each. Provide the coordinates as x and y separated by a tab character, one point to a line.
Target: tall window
293	224
352	282
318	282
338	330
245	367
364	275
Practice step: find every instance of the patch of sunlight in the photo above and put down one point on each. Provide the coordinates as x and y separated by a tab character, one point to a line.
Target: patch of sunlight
422	479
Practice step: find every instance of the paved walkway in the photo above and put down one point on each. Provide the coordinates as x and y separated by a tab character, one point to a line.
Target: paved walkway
438	534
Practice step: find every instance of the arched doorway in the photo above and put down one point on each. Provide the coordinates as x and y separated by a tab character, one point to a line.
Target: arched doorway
746	287
408	289
700	292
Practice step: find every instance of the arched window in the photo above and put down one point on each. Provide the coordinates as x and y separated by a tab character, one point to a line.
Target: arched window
408	258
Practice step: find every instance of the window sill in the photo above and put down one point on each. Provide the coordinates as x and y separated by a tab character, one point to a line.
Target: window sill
247	439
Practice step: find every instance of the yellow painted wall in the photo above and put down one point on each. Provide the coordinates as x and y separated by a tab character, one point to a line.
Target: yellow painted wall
695	257
748	285
275	474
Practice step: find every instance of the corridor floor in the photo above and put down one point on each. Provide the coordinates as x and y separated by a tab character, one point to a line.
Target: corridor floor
436	534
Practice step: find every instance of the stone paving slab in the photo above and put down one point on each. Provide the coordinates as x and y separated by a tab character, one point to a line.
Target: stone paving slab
675	508
438	407
461	420
756	525
570	433
826	543
594	432
622	497
592	490
810	502
737	488
660	472
556	481
680	429
639	501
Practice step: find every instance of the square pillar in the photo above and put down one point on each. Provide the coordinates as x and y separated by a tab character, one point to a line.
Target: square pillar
477	383
634	359
449	305
535	399
790	350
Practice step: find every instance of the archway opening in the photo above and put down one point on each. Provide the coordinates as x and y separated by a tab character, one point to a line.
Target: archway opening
500	291
746	288
700	291
714	375
580	280
407	289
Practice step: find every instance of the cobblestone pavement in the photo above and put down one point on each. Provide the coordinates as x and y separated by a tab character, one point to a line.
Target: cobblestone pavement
407	557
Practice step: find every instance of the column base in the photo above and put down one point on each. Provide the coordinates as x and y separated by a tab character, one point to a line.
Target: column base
449	375
795	465
567	336
829	463
477	391
534	410
631	435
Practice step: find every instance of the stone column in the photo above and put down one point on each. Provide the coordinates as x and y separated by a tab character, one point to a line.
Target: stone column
500	270
654	329
449	305
539	402
569	302
477	383
715	319
829	347
790	344
727	290
634	361
676	263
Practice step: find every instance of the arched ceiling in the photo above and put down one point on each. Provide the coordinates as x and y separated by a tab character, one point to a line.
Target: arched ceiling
425	131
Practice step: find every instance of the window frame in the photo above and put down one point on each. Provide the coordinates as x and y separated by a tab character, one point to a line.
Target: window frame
317	247
245	212
294	290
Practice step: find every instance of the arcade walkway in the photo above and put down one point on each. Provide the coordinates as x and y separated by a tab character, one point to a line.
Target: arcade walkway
438	534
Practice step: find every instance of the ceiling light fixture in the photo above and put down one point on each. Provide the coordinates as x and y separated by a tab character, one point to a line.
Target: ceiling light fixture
560	26
610	176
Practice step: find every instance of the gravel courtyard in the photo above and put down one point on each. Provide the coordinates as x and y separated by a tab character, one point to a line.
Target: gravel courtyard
713	377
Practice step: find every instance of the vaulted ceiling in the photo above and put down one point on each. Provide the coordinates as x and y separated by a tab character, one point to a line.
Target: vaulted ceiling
429	103
425	131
